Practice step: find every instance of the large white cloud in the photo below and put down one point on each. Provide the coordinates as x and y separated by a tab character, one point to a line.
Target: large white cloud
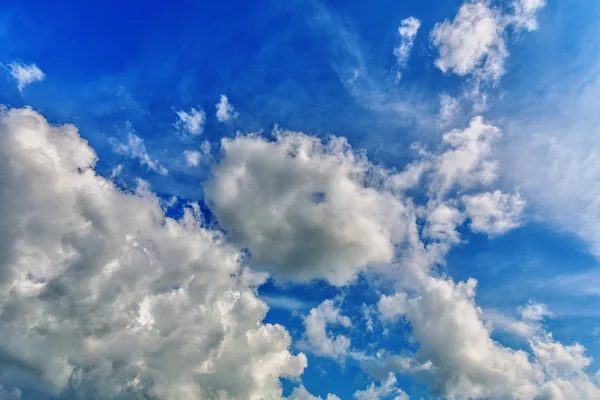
102	296
305	208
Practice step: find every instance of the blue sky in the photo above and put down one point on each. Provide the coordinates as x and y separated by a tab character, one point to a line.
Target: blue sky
365	172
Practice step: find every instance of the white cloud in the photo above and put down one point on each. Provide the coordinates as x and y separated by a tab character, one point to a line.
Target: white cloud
305	208
136	148
525	13
300	393
474	42
102	296
192	157
494	213
530	318
24	74
467	160
386	391
407	31
225	110
319	339
190	123
449	108
466	363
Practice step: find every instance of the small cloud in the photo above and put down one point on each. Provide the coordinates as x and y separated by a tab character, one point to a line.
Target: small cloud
225	111
24	74
193	158
408	31
191	122
135	148
116	171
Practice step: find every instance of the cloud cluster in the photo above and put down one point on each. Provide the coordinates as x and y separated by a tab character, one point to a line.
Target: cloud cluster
304	207
102	296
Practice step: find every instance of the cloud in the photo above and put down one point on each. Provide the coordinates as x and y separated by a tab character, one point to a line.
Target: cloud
474	42
192	157
102	296
300	393
449	108
467	161
525	13
225	110
407	31
387	390
529	323
305	208
135	148
466	363
25	74
494	213
318	339
190	123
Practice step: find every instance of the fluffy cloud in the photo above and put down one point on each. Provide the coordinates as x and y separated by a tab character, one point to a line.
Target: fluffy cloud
225	110
467	161
24	74
190	123
102	296
408	31
494	213
300	393
320	341
467	364
305	208
474	42
386	391
135	148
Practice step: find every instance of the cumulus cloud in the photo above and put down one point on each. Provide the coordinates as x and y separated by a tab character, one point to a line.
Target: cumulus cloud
225	110
25	74
305	208
408	31
319	339
190	123
300	393
135	148
466	161
494	213
102	296
474	42
467	364
386	391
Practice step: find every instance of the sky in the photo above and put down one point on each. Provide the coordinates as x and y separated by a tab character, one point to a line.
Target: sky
300	200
